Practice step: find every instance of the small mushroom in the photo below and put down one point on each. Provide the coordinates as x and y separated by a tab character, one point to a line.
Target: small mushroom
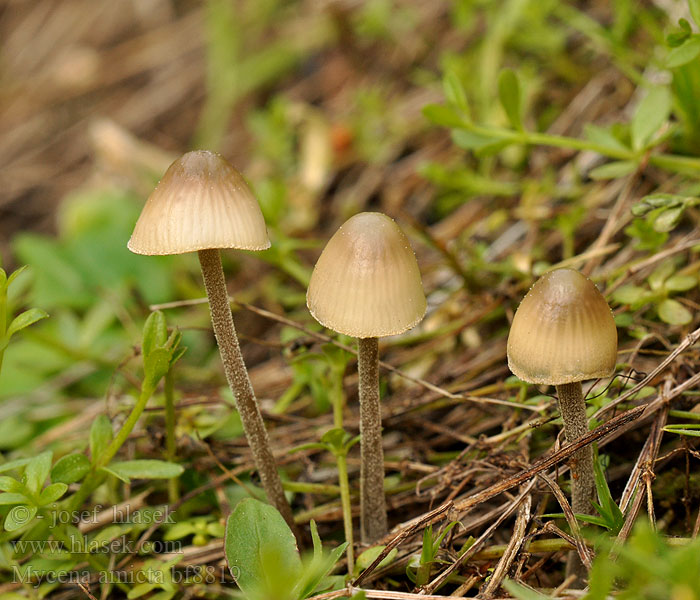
562	334
366	284
203	204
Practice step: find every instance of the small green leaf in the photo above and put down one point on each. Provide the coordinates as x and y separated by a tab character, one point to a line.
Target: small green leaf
521	592
694	6
674	313
442	115
653	111
370	555
668	219
660	274
10	484
100	436
15	275
25	319
19	516
454	92
684	53
261	551
13	498
629	294
155	332
613	170
70	468
604	137
681	283
37	471
509	95
52	492
477	142
145	469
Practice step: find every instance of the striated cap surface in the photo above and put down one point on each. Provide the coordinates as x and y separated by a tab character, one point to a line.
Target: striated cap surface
562	332
366	282
201	202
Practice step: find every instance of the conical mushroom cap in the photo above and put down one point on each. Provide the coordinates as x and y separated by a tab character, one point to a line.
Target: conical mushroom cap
562	332
366	282
201	203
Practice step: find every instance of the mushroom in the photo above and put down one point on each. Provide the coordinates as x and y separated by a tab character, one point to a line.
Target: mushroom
562	334
366	284
203	204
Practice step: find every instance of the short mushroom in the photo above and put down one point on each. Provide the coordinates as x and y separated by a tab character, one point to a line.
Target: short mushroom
366	284
203	204
562	334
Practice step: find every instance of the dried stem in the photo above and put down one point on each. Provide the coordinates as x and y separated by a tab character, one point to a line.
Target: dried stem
573	412
372	502
239	382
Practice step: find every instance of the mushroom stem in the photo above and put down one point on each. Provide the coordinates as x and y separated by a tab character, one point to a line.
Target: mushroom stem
573	411
373	519
239	382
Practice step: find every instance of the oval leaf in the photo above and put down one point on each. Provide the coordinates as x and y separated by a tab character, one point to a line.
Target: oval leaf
71	468
261	551
674	313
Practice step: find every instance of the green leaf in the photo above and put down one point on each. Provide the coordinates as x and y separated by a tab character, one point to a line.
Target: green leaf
684	53
100	436
70	468
660	274
370	555
691	429
442	115
681	283
145	469
37	471
608	509
10	484
668	219
18	517
14	275
155	332
674	313
454	92
629	294
521	592
613	170
653	111
52	492
477	142
13	498
604	137
261	551
509	95
694	6
14	464
25	319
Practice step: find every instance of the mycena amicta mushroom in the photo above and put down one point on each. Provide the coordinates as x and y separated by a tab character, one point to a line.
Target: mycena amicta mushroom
366	284
203	204
564	333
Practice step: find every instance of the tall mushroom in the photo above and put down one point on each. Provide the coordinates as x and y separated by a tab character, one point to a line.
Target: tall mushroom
203	204
366	284
562	334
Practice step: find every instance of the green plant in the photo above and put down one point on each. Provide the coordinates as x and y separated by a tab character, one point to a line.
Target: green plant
8	327
419	568
262	555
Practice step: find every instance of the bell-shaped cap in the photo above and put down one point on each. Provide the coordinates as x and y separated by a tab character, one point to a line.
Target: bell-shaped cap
562	332
366	282
201	203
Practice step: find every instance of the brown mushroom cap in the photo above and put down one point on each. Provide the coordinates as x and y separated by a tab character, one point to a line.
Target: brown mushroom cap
201	203
366	282
562	332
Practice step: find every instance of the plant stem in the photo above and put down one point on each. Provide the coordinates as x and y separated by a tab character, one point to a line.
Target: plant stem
373	518
170	445
338	399
239	382
573	412
126	429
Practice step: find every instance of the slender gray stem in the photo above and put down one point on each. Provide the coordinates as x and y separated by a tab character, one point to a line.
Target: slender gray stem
239	382
373	519
573	412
